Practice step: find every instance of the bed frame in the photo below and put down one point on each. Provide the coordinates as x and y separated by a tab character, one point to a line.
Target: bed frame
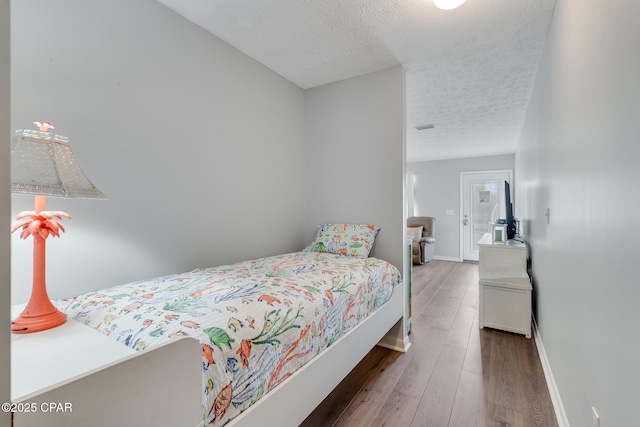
285	405
150	399
160	387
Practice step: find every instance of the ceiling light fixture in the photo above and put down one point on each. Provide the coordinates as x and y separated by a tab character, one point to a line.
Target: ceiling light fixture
448	4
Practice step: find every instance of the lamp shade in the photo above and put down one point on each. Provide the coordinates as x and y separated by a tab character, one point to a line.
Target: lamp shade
42	163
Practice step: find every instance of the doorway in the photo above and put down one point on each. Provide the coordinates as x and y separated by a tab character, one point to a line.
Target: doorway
481	203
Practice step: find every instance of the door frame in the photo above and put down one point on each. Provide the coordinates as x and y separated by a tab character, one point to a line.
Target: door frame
461	206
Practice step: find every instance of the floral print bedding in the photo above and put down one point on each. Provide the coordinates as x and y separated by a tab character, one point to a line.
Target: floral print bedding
257	321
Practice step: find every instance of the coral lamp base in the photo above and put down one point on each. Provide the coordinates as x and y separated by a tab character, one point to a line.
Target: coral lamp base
40	313
41	320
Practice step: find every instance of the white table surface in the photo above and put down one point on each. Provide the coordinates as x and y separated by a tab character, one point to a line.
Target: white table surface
50	358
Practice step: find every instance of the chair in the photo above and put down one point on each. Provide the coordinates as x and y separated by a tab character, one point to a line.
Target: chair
423	246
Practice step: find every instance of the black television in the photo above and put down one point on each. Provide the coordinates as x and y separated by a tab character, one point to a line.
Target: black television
508	208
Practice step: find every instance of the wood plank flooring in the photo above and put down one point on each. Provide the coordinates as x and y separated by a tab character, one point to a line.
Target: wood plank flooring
454	374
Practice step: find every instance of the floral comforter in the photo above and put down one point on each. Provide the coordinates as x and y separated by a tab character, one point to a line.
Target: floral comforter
257	321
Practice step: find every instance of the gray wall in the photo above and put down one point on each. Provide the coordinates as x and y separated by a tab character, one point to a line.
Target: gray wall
437	189
189	138
579	156
355	157
5	210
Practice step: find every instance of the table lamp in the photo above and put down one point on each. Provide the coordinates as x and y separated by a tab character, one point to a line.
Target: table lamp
42	164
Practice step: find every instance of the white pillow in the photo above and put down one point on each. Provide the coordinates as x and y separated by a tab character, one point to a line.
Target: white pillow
414	232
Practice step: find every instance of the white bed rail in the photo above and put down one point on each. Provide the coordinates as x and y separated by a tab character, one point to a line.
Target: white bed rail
295	398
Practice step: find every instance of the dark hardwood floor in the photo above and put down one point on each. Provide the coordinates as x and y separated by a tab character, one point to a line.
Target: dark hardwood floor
454	374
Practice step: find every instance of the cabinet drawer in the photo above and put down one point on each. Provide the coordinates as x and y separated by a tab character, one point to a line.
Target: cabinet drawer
505	309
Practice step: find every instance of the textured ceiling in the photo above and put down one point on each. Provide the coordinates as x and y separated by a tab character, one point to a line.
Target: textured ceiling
470	70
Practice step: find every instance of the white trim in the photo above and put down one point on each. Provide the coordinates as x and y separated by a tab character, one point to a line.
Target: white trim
447	258
411	194
395	343
551	382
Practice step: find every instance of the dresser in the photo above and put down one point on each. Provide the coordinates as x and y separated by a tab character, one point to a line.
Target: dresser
505	286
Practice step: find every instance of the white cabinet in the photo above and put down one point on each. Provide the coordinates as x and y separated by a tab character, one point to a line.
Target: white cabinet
73	375
49	358
505	287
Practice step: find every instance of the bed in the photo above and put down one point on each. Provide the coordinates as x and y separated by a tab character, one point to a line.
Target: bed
268	328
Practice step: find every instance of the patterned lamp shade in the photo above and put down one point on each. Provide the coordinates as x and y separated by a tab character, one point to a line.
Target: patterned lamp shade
42	163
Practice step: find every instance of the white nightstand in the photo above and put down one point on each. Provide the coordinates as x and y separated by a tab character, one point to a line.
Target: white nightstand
102	380
47	359
505	286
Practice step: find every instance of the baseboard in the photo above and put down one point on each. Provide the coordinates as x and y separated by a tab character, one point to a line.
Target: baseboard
395	344
447	258
551	382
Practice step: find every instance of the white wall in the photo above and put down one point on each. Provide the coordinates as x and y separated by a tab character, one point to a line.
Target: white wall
199	148
579	156
355	157
437	190
5	211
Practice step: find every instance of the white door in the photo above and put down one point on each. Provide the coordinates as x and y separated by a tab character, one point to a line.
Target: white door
482	202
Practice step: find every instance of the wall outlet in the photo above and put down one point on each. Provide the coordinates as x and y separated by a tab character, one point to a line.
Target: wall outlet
449	212
596	418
